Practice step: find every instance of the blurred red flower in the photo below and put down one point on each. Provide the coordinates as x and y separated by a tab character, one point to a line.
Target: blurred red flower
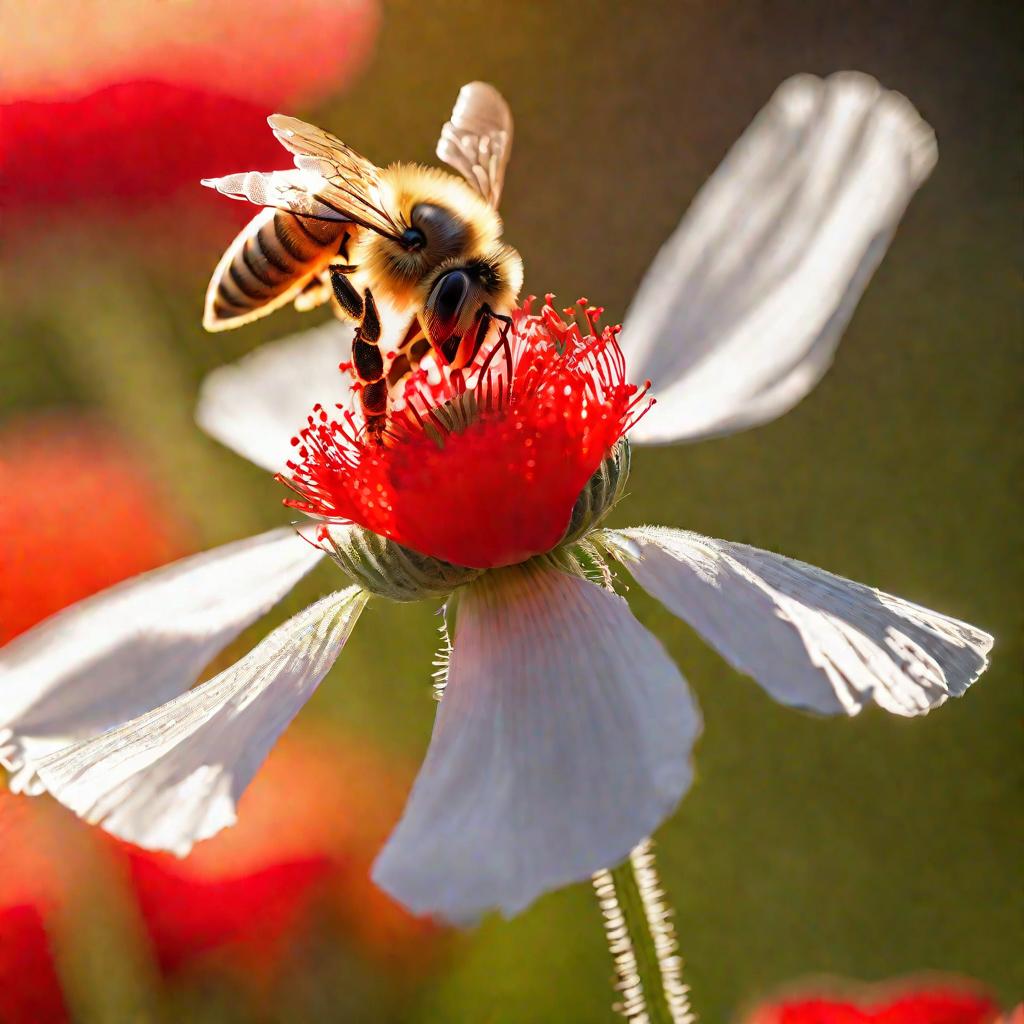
80	512
29	988
307	832
936	1003
129	144
298	859
123	103
188	917
31	885
299	50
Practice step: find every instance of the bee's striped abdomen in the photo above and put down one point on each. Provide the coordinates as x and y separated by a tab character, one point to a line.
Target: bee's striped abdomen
267	265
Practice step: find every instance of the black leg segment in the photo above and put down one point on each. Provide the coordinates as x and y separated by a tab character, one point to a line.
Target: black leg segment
348	298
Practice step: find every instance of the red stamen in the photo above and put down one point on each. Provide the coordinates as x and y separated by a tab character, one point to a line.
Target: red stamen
480	467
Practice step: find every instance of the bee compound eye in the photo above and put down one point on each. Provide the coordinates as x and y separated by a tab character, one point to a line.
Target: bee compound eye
444	232
448	295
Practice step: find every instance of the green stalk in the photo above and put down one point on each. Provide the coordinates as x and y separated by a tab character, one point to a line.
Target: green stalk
642	942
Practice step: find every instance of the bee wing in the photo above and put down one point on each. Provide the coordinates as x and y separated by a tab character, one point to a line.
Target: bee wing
352	185
477	141
331	181
294	191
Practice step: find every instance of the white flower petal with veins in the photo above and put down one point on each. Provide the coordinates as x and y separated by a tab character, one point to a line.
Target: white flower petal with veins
811	639
740	314
257	405
127	649
174	776
563	740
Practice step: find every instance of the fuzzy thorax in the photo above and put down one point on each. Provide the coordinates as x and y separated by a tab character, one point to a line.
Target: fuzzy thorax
458	226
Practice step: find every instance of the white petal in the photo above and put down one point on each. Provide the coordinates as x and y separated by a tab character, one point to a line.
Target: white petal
811	639
563	740
174	776
257	405
127	649
741	312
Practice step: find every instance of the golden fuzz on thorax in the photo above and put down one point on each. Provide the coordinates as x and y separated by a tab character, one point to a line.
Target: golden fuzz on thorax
415	183
404	277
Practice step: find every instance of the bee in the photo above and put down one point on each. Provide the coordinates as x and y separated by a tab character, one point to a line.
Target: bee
423	243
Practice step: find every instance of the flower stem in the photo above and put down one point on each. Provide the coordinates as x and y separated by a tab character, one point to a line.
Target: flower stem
642	942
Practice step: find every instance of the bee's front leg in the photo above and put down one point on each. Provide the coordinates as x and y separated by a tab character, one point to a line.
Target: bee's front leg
412	348
484	319
367	360
348	306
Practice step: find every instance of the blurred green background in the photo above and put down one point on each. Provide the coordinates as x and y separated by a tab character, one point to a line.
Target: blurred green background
866	848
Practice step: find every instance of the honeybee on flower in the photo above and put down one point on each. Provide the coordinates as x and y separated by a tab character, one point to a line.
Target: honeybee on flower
565	732
422	241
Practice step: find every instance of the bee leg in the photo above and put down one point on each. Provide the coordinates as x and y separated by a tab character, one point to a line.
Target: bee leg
500	317
374	400
484	319
413	347
367	360
495	384
483	325
349	303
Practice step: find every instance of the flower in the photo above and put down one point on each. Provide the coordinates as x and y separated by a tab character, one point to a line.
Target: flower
69	485
58	151
527	436
121	104
565	732
246	895
31	886
52	51
30	990
236	905
934	1003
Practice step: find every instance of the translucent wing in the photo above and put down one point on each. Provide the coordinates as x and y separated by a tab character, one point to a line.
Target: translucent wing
477	141
293	191
332	181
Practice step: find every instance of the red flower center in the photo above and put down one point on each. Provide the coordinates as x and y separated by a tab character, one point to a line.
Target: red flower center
479	468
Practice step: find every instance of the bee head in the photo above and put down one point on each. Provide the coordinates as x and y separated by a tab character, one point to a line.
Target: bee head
463	296
433	235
